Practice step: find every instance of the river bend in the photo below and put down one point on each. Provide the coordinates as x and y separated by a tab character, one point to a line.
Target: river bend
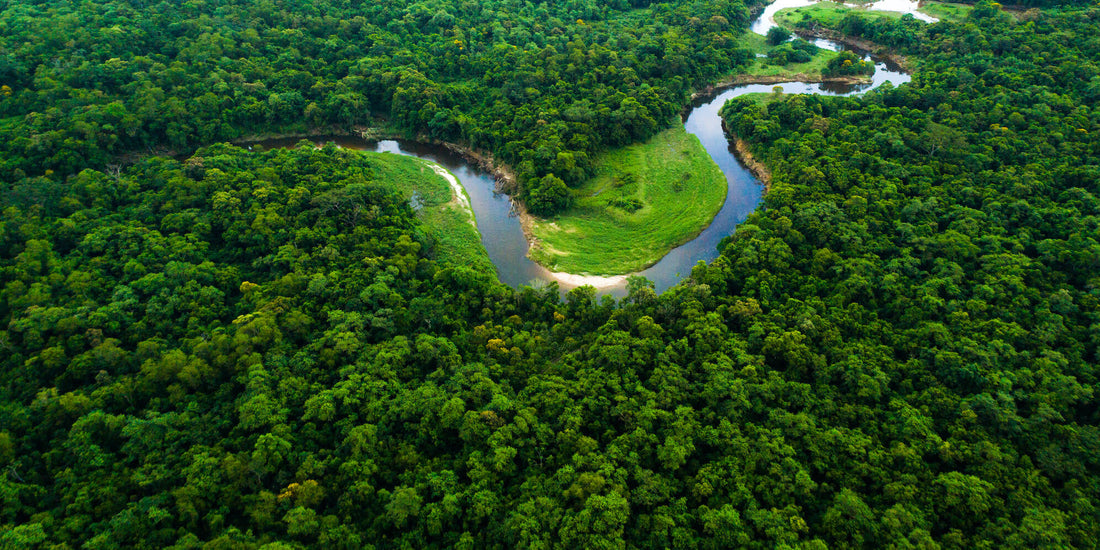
503	237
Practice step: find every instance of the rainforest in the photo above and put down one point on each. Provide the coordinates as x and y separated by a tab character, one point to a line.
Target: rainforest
206	342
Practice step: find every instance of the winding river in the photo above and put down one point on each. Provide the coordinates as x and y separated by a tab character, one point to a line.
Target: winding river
503	236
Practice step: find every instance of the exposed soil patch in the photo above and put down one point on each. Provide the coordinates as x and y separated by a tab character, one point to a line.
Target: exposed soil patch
757	168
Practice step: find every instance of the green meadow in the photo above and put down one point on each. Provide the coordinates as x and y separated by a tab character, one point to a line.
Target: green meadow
446	216
829	14
644	200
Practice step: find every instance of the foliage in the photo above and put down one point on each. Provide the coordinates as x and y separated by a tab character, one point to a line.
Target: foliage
902	33
848	63
531	82
447	217
259	350
956	217
777	35
796	51
644	200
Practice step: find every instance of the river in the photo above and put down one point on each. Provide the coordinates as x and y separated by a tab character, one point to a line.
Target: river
765	21
502	234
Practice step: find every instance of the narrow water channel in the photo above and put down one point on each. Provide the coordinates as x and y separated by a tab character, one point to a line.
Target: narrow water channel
503	236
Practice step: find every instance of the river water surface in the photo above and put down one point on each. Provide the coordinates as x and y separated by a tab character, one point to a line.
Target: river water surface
502	235
766	20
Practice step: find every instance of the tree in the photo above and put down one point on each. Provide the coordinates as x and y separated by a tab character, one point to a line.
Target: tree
777	35
548	195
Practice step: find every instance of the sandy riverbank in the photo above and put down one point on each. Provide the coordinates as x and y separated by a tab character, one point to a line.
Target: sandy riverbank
460	199
591	280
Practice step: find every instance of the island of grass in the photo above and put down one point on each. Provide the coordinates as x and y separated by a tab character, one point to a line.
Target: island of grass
442	205
645	200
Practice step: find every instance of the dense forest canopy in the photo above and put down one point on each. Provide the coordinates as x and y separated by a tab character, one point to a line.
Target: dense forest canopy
541	85
260	349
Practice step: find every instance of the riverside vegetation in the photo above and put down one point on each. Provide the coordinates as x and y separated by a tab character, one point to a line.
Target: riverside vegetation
644	200
829	14
264	350
543	86
546	88
664	190
444	209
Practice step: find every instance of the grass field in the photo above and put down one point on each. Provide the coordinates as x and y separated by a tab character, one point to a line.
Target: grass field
829	14
447	217
763	98
760	67
794	71
946	11
645	200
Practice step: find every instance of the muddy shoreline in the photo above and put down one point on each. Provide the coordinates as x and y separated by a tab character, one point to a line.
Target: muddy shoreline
758	169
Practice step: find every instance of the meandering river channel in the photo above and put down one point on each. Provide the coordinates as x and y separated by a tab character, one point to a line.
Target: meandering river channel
503	237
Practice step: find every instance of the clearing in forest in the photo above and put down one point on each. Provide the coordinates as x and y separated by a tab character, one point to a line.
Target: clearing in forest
830	14
644	201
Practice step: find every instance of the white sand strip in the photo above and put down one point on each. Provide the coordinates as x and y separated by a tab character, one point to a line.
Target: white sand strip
459	193
581	280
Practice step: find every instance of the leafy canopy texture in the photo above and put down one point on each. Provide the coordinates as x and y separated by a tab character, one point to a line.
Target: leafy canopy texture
260	350
542	86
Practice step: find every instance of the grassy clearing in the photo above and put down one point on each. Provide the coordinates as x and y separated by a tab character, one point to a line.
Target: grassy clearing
763	98
829	14
459	242
947	12
755	42
645	200
793	71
